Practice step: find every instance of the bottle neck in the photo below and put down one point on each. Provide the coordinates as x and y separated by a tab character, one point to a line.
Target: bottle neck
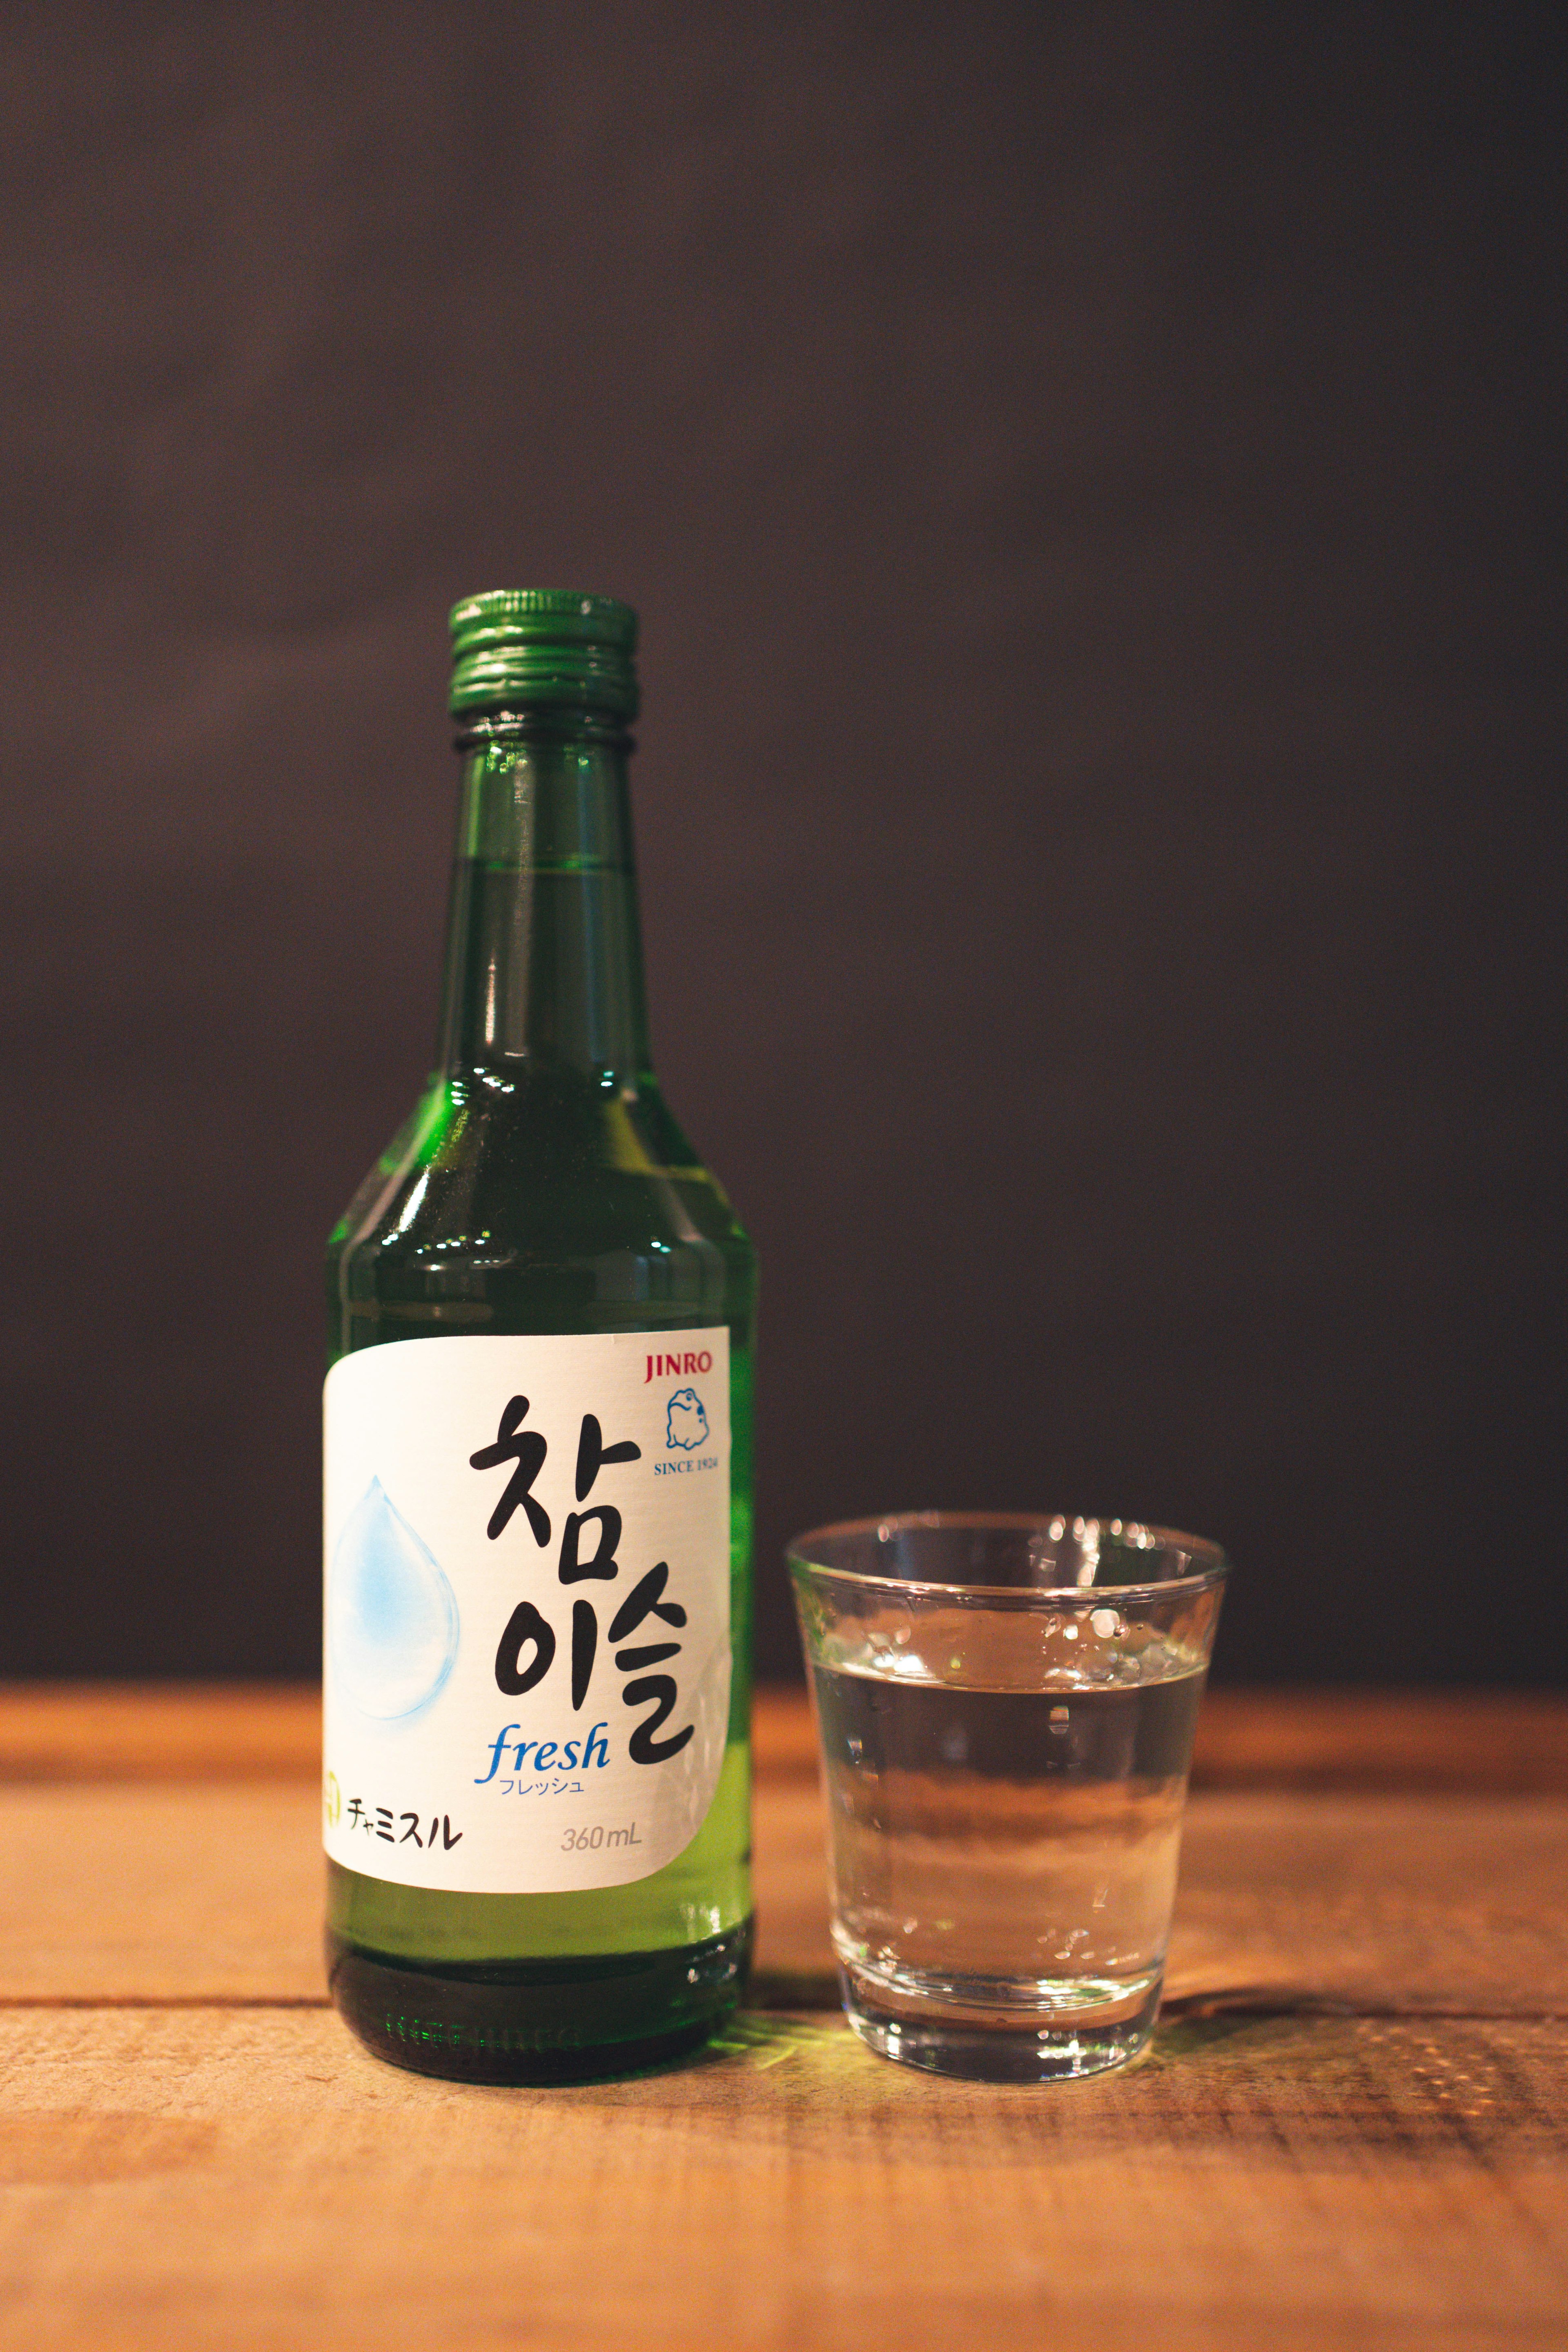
543	952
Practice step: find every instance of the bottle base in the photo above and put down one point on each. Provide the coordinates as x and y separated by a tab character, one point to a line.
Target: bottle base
556	2021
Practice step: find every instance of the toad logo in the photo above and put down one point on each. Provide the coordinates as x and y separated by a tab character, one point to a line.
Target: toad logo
686	1423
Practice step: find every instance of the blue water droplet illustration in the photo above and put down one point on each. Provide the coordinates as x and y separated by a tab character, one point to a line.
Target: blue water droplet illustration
392	1617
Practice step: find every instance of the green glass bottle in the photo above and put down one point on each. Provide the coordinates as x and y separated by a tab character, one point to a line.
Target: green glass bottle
538	1510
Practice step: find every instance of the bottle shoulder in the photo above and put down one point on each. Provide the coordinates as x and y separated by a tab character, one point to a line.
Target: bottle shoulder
540	1200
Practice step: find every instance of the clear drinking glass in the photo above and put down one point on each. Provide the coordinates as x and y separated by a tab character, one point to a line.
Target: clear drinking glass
1005	1703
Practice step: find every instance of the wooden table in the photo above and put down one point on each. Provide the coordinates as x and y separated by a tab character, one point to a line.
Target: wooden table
1351	2130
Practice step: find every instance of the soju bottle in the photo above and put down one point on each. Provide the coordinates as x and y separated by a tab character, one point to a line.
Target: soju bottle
536	1779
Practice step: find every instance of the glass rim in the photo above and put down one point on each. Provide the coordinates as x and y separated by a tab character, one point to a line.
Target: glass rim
1213	1571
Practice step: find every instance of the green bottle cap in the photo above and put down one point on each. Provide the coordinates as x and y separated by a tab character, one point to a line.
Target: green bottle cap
513	647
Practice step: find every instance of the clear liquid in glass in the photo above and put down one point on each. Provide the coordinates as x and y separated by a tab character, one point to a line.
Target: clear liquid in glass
1003	1861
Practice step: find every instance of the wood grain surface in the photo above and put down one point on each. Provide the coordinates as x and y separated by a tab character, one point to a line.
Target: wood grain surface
1353	2130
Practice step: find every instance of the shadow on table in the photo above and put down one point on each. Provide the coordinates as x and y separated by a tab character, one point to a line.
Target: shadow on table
794	1989
1193	2023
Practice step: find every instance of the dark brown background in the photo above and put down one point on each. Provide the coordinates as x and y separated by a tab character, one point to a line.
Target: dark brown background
1092	480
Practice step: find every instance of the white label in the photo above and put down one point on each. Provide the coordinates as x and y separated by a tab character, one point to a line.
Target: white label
527	1640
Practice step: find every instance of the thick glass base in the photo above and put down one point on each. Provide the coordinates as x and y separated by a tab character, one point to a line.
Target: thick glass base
1045	2032
557	2021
